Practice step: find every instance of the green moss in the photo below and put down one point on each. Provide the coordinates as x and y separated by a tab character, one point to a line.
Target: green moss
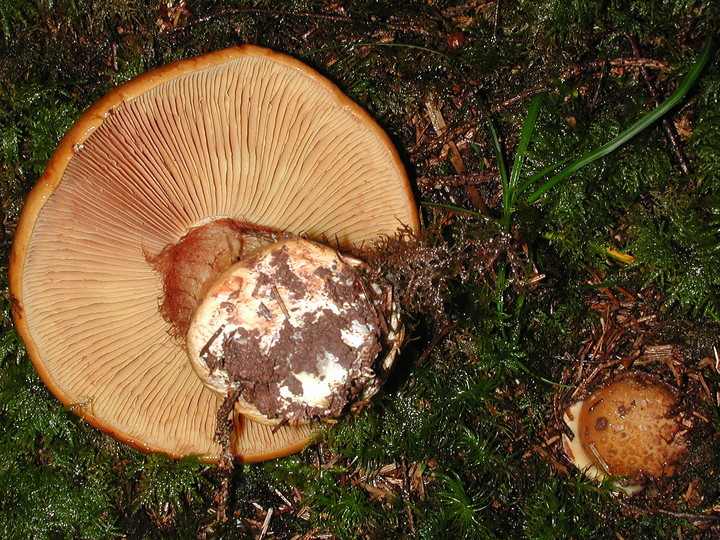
563	508
677	246
461	440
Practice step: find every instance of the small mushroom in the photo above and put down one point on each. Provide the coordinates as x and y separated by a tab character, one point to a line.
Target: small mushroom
158	189
630	427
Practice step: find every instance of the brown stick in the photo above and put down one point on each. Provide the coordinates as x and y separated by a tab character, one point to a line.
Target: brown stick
679	515
497	28
226	464
598	67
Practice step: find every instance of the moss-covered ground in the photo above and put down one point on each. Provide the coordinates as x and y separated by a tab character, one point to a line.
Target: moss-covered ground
515	294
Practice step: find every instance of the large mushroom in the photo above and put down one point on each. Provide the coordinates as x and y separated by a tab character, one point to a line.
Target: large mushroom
164	187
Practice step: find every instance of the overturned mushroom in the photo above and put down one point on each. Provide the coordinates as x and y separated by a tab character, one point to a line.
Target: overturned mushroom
164	185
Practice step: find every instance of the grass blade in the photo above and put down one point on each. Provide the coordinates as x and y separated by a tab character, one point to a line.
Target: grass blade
504	178
633	130
547	170
525	138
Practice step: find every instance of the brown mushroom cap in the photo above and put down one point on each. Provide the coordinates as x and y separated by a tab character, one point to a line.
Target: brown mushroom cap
243	133
628	428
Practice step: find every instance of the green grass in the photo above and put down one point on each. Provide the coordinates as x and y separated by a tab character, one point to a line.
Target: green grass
463	442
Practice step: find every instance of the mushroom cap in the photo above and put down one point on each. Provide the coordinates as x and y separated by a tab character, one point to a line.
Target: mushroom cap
244	133
629	428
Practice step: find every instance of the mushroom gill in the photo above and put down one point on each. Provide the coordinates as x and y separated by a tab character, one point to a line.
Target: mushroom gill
244	134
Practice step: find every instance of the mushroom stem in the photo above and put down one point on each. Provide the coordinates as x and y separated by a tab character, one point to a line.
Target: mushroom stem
189	266
294	326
